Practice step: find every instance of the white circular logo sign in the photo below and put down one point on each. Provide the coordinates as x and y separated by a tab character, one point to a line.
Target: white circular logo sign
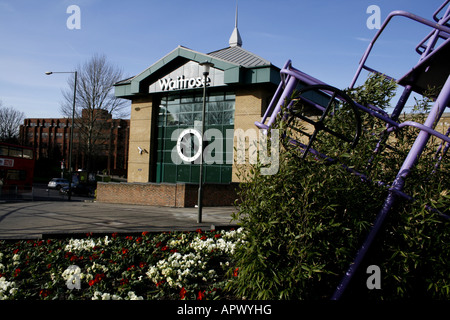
180	146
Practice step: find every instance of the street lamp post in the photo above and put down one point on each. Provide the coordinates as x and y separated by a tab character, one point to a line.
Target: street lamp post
71	128
206	68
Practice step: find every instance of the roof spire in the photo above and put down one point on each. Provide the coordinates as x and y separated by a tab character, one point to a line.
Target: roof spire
235	39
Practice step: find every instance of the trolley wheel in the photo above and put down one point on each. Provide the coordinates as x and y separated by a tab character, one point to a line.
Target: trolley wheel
324	108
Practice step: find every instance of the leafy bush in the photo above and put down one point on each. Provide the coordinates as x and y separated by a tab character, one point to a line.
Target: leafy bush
304	225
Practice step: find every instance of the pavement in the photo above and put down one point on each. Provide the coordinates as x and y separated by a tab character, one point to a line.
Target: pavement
56	218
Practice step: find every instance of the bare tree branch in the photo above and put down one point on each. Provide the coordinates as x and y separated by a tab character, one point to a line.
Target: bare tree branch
10	121
94	100
96	78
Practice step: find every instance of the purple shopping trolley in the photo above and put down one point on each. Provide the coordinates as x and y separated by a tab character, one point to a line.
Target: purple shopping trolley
432	70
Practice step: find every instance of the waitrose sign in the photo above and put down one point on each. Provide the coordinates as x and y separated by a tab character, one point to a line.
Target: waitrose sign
188	76
182	83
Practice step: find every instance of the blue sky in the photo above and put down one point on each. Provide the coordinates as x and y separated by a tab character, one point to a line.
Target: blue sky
325	39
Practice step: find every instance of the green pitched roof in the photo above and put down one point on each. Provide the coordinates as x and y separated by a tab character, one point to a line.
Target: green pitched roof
239	65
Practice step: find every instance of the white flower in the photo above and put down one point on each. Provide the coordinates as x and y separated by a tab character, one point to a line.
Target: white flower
16	259
106	241
97	295
106	296
97	268
7	287
80	244
133	296
73	275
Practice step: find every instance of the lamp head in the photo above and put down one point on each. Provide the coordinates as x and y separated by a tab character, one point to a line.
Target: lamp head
206	67
48	73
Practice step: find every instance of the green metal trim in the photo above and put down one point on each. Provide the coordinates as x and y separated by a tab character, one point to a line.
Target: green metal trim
233	73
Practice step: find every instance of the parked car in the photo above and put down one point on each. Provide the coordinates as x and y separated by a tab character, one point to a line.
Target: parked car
80	189
58	183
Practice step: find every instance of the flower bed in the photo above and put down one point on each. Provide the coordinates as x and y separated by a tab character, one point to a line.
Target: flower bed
172	265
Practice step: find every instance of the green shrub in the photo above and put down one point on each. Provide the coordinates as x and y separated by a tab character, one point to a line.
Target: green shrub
304	225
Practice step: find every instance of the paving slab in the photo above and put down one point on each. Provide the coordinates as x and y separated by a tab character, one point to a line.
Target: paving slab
46	219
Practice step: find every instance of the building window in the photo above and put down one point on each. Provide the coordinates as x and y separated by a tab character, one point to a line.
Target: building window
16	174
181	111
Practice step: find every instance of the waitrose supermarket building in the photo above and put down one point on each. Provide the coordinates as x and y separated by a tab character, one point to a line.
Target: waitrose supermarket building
166	100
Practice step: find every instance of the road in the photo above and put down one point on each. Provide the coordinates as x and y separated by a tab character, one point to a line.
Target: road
42	192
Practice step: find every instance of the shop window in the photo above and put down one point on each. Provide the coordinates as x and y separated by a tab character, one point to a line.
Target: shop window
179	111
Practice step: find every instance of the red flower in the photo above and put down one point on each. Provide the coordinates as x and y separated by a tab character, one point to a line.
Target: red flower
199	230
235	272
15	251
94	256
203	238
201	295
142	264
124	251
98	277
183	293
145	233
16	272
44	293
164	248
217	236
124	281
39	243
159	283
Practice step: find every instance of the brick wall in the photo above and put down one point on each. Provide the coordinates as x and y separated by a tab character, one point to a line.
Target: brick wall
166	194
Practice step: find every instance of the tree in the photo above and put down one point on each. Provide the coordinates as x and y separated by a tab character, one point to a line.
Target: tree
95	101
304	225
10	121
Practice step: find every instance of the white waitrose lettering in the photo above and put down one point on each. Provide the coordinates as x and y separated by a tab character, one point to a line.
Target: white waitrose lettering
183	83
